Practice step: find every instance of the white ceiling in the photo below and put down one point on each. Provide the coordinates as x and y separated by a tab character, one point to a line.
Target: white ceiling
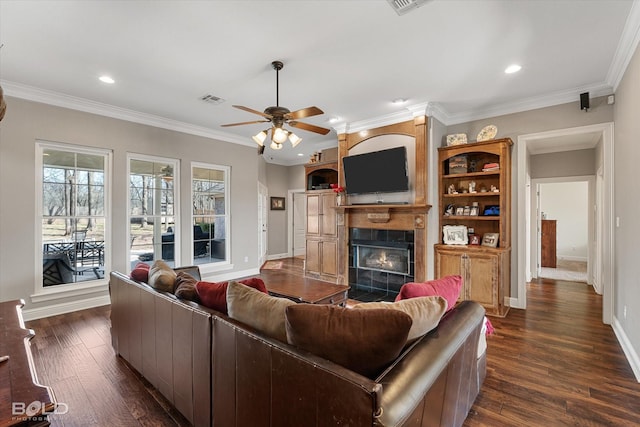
350	58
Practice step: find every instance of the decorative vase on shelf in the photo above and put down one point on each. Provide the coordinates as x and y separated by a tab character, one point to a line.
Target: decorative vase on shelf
339	199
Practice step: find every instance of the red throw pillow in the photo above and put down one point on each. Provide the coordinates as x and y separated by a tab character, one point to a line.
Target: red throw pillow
214	295
140	272
447	287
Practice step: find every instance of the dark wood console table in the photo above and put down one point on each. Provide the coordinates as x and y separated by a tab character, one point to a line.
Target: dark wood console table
23	402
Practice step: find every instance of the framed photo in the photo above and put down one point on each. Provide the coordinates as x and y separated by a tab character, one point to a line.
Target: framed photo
466	211
459	211
490	239
474	239
277	203
473	211
455	235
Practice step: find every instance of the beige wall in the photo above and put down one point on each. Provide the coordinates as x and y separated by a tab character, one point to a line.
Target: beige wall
564	163
627	202
26	122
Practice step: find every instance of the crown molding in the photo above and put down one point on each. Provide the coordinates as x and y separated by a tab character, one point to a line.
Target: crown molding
533	103
626	47
34	94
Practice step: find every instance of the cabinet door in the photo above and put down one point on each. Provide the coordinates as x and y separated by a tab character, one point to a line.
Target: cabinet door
312	260
328	219
482	279
329	257
313	214
451	264
548	243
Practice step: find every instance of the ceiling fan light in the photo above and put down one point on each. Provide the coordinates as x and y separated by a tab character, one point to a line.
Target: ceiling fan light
260	137
295	139
276	145
279	135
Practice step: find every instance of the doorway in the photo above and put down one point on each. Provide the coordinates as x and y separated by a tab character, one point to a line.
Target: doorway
565	237
564	140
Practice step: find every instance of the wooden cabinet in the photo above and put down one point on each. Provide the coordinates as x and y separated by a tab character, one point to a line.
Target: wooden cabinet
475	195
321	261
485	274
548	243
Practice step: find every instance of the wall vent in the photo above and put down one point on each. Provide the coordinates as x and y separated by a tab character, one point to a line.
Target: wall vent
405	6
212	99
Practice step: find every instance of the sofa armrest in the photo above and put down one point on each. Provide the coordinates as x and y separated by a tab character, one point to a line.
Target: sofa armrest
435	383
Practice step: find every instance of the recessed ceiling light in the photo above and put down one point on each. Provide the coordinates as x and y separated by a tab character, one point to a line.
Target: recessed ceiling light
107	79
300	154
399	101
334	119
514	68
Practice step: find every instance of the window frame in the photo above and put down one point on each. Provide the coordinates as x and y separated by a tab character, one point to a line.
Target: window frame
42	293
175	163
211	267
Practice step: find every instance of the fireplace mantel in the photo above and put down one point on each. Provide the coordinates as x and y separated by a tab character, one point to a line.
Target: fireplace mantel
386	216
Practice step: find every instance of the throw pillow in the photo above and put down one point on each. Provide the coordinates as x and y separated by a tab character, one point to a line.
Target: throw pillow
448	287
365	341
186	287
214	295
425	312
140	272
161	276
258	310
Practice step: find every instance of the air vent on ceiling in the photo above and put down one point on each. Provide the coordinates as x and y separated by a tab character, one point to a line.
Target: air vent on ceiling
405	6
212	99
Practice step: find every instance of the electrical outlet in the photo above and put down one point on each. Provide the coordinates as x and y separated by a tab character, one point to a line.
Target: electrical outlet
246	259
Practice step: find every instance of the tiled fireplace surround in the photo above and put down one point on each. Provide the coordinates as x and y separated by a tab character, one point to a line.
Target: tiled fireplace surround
380	262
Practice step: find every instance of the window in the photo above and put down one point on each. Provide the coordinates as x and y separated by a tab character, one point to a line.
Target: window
74	213
209	188
153	204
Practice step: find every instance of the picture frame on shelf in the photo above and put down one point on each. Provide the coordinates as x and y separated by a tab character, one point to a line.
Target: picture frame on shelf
459	211
466	211
455	235
490	239
458	164
277	203
474	239
473	211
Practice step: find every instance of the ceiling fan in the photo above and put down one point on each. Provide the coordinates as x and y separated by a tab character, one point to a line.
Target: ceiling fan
279	116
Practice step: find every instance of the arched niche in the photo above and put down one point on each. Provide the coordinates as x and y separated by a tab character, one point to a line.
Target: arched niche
412	134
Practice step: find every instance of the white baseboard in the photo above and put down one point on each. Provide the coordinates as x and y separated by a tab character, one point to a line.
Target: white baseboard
278	256
572	258
516	303
628	349
65	307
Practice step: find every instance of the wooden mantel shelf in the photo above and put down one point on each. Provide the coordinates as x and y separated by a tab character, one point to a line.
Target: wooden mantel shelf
388	206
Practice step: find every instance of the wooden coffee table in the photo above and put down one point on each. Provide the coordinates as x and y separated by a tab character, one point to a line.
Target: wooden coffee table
302	289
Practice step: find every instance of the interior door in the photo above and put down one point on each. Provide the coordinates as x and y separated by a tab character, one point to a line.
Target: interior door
299	220
262	223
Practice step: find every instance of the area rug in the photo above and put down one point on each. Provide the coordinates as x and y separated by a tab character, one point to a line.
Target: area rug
571	271
272	265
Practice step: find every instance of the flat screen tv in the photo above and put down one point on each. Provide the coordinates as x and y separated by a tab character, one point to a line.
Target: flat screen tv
382	171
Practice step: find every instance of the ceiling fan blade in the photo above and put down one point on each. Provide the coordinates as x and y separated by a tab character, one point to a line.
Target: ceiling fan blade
244	123
310	128
304	112
251	110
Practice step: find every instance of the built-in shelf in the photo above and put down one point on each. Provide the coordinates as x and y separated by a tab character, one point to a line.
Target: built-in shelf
479	194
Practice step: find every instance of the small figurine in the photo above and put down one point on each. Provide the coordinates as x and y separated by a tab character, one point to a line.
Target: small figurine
472	187
452	189
494	189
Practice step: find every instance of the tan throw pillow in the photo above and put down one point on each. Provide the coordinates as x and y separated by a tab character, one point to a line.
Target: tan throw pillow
425	312
365	341
161	276
258	310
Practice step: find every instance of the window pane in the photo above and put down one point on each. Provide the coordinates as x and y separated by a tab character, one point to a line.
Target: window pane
151	212
73	223
209	210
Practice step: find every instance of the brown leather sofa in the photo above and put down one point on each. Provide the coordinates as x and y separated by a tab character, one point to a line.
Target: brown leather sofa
218	372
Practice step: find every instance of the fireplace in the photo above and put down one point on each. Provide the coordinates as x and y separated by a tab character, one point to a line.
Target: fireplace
380	262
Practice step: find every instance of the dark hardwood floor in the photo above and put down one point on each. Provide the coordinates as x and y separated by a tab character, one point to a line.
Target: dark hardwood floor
554	364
